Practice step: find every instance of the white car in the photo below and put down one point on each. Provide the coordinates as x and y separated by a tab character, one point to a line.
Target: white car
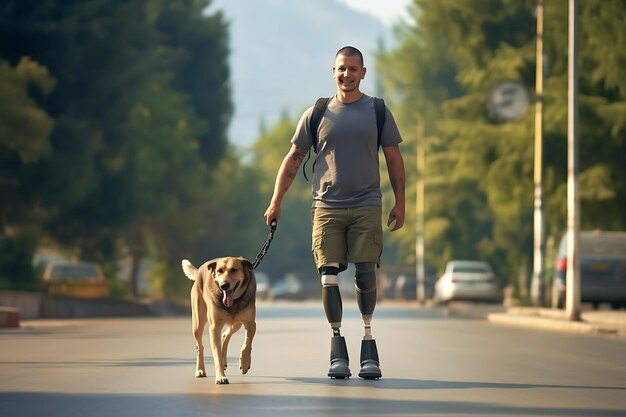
263	286
467	280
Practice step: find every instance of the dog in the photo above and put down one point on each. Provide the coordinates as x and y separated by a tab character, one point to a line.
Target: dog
224	294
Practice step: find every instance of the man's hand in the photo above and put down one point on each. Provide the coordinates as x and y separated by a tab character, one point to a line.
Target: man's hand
395	168
272	214
396	216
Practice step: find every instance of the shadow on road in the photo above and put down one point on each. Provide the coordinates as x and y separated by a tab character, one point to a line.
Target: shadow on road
147	362
106	405
416	384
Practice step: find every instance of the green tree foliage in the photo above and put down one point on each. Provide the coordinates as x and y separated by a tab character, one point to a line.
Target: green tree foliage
479	172
200	45
140	109
24	127
24	131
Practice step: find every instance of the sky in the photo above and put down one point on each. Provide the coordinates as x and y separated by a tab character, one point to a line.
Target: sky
304	36
389	11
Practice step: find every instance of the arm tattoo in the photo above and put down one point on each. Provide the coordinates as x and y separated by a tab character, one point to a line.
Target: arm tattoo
296	159
298	156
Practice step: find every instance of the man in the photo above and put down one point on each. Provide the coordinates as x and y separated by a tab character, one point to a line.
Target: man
346	213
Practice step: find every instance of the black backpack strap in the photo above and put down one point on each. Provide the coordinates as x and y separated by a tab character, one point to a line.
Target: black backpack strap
314	123
316	117
381	115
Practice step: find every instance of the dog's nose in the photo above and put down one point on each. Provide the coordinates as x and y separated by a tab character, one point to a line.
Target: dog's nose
225	286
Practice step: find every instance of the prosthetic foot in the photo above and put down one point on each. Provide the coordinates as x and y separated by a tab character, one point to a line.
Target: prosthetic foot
338	358
369	360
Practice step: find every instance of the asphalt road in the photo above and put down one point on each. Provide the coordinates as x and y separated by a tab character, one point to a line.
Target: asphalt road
432	366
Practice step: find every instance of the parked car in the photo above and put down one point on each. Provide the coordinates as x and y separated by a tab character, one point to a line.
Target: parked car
294	288
467	280
287	290
405	287
602	269
75	279
263	286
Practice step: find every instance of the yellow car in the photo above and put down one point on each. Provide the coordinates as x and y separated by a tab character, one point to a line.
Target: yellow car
75	279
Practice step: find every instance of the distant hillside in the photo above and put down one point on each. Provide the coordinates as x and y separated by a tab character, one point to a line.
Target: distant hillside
282	56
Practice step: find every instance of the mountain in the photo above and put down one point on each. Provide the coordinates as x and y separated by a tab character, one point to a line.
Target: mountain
282	53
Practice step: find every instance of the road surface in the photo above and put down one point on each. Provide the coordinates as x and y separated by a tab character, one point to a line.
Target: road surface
432	366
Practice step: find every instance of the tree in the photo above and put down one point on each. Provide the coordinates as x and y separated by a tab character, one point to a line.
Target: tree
140	110
479	171
200	43
24	140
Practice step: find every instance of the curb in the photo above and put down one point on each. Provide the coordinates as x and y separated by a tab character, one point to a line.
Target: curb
540	322
9	317
556	324
605	318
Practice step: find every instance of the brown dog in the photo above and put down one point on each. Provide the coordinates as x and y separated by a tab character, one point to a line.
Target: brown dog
224	294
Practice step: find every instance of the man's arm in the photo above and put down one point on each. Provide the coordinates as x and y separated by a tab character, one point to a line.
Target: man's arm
395	168
286	174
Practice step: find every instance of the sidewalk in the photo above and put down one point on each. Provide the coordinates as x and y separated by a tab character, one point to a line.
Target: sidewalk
609	322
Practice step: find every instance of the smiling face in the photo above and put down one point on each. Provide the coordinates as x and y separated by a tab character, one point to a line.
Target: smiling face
348	73
229	275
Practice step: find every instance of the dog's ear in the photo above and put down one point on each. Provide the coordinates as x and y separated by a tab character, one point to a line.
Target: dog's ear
207	271
210	265
189	269
247	265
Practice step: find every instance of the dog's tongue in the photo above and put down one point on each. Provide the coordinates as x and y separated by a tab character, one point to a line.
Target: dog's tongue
228	299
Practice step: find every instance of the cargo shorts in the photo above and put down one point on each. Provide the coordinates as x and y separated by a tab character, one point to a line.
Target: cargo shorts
342	235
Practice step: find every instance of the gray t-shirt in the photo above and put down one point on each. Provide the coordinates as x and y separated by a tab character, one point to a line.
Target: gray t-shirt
346	165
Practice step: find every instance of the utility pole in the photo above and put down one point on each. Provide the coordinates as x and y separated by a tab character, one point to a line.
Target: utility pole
572	295
419	211
537	282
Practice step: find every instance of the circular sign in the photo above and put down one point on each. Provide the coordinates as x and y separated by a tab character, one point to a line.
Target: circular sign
508	100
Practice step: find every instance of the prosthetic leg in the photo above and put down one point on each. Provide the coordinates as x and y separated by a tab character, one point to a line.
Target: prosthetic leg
331	298
365	281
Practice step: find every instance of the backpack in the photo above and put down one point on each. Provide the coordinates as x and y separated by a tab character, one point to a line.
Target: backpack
316	117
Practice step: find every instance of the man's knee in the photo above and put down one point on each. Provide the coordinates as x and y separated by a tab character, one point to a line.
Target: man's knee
365	282
365	277
329	276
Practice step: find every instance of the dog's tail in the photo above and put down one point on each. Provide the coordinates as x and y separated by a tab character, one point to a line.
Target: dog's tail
189	269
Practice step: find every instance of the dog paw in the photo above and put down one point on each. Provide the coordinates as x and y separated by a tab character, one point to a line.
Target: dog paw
244	364
221	380
200	373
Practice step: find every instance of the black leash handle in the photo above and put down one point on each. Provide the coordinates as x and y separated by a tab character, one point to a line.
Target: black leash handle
266	245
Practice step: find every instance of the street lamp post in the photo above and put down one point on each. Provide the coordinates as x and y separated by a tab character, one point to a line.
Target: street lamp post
419	211
572	296
537	282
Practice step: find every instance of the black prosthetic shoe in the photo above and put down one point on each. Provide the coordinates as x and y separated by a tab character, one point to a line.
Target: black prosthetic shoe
338	358
370	368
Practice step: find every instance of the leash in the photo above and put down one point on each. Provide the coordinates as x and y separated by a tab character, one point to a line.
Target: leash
266	245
